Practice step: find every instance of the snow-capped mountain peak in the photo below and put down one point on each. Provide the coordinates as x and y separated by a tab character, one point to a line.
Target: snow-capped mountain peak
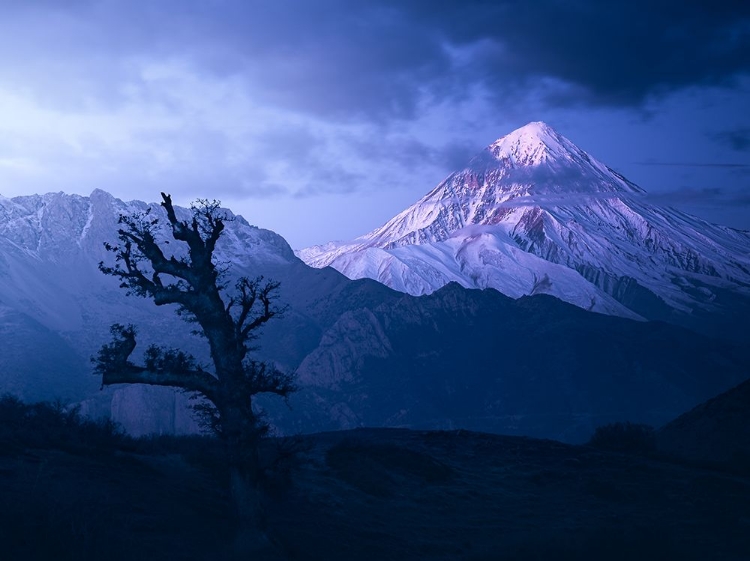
530	167
533	144
538	158
555	220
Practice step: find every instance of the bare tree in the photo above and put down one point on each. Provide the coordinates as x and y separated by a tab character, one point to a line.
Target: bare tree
229	320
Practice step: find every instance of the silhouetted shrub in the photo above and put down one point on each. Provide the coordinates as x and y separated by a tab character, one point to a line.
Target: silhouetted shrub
625	437
53	424
12	410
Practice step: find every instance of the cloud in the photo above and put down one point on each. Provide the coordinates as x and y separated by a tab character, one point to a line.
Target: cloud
696	164
329	58
713	197
707	197
737	139
608	53
559	199
380	59
241	99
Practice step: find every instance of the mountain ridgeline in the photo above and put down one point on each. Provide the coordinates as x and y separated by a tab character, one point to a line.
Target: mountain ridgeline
527	358
532	214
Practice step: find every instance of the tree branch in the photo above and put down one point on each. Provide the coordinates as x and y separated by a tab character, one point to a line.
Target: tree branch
163	367
250	294
147	245
261	377
135	280
228	321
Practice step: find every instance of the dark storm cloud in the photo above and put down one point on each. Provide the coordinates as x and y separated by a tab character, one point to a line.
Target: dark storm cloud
409	152
455	155
612	53
381	59
736	139
331	180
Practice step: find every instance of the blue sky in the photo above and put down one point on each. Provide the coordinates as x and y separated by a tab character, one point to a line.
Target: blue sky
322	119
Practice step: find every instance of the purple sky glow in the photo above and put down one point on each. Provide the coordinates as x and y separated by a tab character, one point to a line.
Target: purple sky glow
321	120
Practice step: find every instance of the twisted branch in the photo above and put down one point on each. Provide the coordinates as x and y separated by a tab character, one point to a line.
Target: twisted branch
163	367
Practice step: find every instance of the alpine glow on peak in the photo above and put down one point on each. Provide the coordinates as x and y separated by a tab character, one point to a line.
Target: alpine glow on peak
534	213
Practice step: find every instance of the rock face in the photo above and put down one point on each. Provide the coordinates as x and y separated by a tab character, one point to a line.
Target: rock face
481	361
364	353
535	214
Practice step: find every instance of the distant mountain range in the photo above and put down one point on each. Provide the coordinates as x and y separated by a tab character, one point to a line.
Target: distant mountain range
364	354
534	214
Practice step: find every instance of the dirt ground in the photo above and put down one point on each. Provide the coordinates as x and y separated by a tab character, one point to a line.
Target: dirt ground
379	494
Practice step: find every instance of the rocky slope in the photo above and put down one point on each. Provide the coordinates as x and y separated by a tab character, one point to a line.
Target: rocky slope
481	361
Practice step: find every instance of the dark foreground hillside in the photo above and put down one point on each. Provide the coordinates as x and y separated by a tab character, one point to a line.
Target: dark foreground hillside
715	431
369	495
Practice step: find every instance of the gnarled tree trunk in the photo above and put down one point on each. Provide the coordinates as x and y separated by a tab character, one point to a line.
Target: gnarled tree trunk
228	321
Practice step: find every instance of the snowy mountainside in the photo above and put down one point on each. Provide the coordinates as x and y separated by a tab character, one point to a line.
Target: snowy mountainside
364	353
46	224
56	307
533	213
50	247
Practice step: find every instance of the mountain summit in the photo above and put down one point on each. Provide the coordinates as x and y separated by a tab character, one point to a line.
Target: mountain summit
534	213
533	164
534	144
538	154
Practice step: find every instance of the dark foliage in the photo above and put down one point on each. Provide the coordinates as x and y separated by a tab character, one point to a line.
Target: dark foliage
625	437
44	424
